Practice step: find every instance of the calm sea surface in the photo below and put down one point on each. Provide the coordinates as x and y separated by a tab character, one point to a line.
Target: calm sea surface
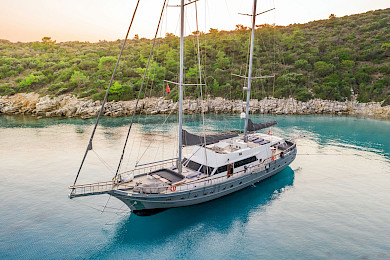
333	202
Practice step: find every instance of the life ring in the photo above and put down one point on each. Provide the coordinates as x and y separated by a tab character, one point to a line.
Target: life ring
272	158
173	188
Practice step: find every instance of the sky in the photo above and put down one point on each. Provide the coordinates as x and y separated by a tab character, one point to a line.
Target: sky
94	20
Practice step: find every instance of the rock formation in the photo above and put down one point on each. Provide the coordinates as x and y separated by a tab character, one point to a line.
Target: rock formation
71	106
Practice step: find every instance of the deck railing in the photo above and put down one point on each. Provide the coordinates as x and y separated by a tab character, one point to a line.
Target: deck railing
104	187
150	168
207	182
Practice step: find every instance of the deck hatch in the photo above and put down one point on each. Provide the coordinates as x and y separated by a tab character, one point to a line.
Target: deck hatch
169	175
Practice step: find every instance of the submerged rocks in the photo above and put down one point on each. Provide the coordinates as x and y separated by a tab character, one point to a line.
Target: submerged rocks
71	106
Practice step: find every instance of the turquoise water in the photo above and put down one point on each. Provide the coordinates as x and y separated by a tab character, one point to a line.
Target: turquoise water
333	202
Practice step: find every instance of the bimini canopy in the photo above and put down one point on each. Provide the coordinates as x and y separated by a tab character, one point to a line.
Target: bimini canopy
191	139
257	126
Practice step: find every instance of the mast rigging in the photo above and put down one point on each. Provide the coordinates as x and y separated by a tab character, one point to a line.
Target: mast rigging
89	147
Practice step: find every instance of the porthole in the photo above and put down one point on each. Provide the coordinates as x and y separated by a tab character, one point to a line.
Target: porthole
240	182
211	192
195	196
231	186
205	193
223	188
182	198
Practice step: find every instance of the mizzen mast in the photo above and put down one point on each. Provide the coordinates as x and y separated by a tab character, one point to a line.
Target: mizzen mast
248	92
181	81
249	77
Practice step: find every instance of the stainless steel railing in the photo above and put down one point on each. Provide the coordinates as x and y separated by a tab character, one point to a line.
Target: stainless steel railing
102	187
212	181
150	168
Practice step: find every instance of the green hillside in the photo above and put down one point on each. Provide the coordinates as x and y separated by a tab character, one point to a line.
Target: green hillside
327	59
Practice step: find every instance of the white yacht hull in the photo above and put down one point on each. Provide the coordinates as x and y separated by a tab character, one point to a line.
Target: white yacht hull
148	204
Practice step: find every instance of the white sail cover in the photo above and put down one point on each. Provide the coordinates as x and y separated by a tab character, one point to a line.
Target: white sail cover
192	139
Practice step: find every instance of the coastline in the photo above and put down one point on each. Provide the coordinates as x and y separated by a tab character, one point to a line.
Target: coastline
69	106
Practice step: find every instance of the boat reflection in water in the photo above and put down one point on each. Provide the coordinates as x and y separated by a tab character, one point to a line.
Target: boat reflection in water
218	215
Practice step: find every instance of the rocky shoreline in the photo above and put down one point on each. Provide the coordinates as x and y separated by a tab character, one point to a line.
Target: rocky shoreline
71	106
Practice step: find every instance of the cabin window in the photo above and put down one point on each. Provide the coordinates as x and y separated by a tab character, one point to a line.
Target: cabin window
221	169
245	161
206	170
191	164
236	164
197	166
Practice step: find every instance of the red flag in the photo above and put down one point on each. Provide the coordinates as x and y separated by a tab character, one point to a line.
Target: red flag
168	89
269	132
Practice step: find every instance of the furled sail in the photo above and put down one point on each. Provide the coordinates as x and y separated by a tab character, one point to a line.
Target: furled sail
257	126
191	139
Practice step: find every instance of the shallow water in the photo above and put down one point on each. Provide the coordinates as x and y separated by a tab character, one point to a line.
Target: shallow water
331	203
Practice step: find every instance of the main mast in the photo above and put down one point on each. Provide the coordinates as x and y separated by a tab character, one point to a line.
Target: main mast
248	95
181	82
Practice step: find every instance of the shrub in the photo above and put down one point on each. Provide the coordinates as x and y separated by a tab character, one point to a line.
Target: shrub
29	81
99	96
323	68
6	90
54	87
348	63
302	64
106	65
302	94
386	102
78	79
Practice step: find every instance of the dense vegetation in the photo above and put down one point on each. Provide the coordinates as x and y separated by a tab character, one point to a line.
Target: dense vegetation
328	59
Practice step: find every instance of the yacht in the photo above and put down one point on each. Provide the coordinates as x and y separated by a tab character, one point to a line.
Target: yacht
218	165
